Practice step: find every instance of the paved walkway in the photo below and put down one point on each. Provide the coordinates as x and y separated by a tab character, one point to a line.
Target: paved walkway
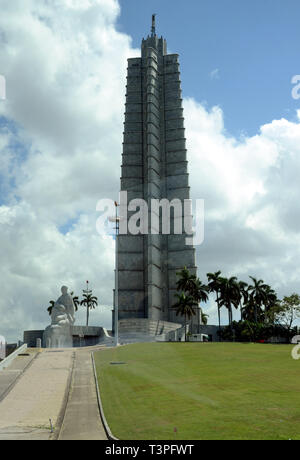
34	388
10	375
82	419
36	397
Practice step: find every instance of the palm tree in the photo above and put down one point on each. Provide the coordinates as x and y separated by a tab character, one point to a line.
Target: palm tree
214	285
229	295
258	296
52	303
249	311
199	293
89	302
243	295
271	298
186	282
185	307
76	301
204	318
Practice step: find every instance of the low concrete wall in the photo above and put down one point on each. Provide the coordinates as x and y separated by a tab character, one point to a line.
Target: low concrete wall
177	335
82	336
7	361
85	336
146	326
88	331
31	336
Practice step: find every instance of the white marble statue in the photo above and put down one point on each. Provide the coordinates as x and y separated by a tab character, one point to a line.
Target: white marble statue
58	334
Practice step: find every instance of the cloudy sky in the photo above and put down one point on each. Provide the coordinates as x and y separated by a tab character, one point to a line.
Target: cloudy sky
61	126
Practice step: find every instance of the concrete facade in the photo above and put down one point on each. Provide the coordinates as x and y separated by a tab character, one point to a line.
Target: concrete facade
82	336
154	166
30	337
146	326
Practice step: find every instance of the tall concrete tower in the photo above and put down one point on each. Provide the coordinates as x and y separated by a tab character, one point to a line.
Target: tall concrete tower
154	166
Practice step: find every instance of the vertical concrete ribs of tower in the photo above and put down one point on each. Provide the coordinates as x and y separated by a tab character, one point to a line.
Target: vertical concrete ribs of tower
154	165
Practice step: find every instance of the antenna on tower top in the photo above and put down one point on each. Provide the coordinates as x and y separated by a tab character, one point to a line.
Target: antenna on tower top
153	25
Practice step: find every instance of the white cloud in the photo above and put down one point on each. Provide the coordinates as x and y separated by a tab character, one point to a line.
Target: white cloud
251	193
232	170
215	74
39	259
60	140
65	66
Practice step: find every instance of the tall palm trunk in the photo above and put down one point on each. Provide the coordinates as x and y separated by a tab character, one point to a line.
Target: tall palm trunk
229	314
87	314
219	317
185	328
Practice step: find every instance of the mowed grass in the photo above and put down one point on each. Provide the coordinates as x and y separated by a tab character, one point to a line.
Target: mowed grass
204	391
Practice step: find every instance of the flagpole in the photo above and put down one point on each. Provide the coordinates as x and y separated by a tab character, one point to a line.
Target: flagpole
117	281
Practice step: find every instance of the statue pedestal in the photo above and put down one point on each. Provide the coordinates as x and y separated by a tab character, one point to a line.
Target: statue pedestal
58	337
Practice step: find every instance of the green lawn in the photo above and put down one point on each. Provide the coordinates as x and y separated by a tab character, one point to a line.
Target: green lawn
205	391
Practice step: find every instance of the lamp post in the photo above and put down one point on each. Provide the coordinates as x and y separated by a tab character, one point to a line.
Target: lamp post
116	219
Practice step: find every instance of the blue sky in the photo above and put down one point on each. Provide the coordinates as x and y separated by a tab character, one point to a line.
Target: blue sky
255	45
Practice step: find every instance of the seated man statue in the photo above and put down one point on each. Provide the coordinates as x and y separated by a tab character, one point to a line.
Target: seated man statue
67	301
58	334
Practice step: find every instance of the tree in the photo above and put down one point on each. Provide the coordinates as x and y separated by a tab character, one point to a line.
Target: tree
257	297
89	302
186	282
204	318
289	310
229	295
271	298
272	315
192	287
52	303
249	331
185	307
243	295
214	285
76	302
199	291
200	294
249	311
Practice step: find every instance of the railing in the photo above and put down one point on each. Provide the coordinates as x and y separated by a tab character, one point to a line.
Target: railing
7	361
